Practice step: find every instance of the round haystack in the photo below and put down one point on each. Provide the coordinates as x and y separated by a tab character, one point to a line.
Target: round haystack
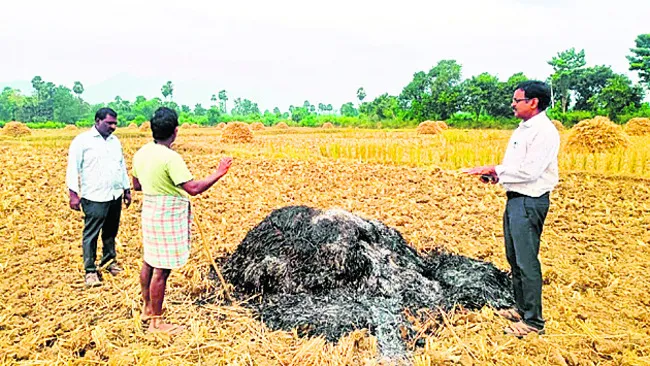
70	128
638	126
221	125
16	129
257	126
194	125
237	132
185	125
282	126
132	126
558	125
328	125
443	126
429	128
145	126
597	135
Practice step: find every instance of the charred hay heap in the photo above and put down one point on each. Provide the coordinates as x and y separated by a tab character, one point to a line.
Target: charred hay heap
330	272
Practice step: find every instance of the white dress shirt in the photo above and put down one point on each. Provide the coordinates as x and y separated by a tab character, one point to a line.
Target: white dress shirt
100	165
530	165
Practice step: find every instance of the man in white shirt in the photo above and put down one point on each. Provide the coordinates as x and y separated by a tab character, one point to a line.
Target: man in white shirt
529	172
95	157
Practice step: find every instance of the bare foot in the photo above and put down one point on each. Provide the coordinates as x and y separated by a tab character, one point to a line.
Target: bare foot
158	326
147	313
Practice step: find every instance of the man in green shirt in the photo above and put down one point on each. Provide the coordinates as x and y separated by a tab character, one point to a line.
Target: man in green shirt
166	182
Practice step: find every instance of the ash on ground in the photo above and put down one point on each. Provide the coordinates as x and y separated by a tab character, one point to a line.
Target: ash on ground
328	273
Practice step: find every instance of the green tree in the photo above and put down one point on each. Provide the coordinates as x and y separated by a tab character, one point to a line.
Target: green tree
640	60
619	96
361	94
383	107
567	66
213	115
589	83
199	110
434	95
223	98
483	95
11	103
348	110
78	88
167	90
186	109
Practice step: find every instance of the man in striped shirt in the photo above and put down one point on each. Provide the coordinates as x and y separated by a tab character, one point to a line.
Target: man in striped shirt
96	159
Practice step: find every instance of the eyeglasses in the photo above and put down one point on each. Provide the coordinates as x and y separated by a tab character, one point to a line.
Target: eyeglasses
515	100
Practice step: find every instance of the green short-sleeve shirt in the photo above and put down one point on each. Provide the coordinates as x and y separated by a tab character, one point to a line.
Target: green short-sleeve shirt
160	170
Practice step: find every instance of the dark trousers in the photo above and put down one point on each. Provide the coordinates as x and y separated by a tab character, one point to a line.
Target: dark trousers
104	217
523	222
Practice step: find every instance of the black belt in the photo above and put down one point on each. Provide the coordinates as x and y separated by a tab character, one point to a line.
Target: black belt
513	194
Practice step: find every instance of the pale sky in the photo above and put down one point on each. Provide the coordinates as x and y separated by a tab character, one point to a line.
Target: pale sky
282	52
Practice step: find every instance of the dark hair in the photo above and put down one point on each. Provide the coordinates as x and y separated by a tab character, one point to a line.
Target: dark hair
537	89
163	123
103	112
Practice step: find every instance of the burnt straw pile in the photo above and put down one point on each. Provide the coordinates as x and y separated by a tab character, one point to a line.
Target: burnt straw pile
330	272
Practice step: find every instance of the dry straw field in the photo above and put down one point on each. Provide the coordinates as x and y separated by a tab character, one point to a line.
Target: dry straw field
595	250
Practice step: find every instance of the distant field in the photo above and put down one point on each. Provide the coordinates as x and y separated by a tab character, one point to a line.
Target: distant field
595	250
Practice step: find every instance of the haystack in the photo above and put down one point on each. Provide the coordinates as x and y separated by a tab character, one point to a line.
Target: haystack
282	126
328	125
331	272
145	126
638	126
257	126
16	129
429	128
443	126
132	126
597	135
558	125
185	125
70	128
236	132
221	125
194	125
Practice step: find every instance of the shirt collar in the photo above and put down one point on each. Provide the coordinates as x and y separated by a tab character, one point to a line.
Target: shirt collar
95	133
533	121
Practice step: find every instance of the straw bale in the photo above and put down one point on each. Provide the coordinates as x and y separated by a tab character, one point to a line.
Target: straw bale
443	126
282	126
429	128
132	126
70	128
257	126
185	125
638	126
597	135
145	126
558	125
237	132
328	125
194	125
221	125
16	129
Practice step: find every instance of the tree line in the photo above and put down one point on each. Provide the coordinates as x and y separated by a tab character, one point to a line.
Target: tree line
579	91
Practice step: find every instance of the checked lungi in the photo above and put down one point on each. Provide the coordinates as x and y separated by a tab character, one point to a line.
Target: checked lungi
166	231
